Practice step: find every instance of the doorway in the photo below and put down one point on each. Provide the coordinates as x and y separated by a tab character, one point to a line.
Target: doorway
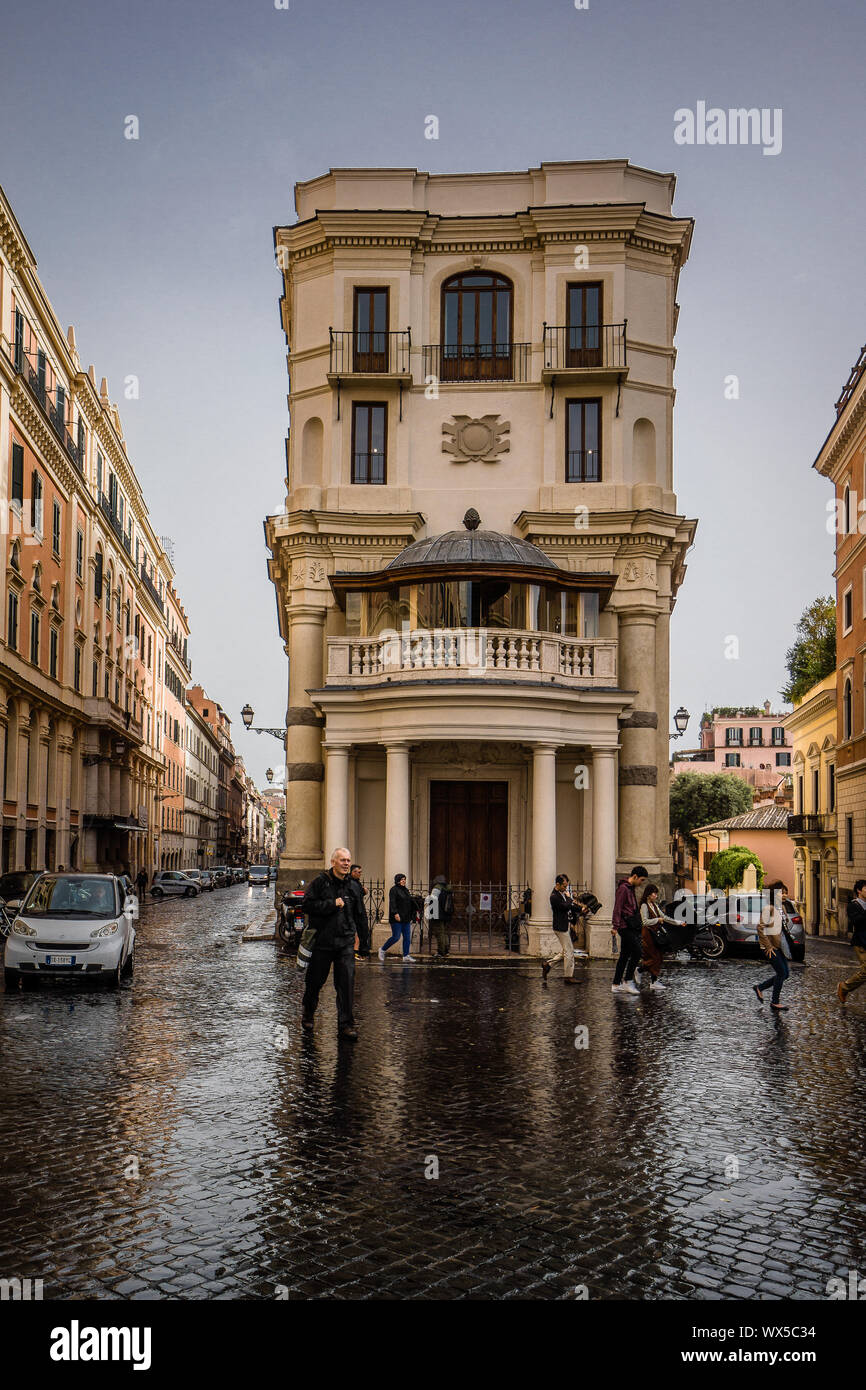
469	831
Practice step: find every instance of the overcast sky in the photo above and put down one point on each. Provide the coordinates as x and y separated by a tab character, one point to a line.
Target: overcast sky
160	252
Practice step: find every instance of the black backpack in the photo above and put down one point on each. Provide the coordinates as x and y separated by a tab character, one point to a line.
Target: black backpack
446	904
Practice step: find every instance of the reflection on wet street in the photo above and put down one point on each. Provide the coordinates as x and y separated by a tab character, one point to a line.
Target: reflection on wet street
178	1138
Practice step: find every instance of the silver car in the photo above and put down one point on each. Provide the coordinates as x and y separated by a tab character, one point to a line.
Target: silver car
169	881
741	915
72	924
259	875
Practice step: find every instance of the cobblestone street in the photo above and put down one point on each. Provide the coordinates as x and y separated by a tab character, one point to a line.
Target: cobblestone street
266	1161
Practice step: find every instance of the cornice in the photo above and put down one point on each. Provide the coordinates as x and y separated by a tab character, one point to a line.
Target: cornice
831	456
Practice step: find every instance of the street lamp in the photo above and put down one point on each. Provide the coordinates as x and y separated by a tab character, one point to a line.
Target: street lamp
681	720
248	715
270	774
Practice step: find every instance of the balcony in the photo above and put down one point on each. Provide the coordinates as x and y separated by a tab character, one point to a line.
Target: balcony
115	523
473	654
584	351
480	362
152	590
180	649
53	410
823	824
379	355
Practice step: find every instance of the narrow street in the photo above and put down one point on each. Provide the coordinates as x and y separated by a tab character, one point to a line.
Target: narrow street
178	1138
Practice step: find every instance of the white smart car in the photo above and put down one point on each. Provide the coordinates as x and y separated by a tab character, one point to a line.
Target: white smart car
71	924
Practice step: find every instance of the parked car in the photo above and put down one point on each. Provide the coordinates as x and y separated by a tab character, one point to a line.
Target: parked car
273	873
71	924
198	877
15	885
221	876
737	916
239	873
259	875
172	881
207	882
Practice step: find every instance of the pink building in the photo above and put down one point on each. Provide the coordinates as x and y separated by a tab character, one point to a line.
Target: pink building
752	743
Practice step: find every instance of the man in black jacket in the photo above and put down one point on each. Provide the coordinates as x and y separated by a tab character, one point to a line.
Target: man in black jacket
358	891
330	910
857	926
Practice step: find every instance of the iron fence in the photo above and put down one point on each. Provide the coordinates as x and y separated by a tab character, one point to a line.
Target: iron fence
489	918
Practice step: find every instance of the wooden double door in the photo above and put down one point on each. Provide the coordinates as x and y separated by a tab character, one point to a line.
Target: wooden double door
469	831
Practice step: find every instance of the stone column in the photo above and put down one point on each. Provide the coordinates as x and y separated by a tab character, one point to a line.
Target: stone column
43	738
543	857
638	770
604	840
64	789
398	813
26	730
336	798
304	853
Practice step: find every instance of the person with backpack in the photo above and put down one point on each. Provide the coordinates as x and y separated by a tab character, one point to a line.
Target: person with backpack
857	926
401	913
438	911
141	882
627	923
774	945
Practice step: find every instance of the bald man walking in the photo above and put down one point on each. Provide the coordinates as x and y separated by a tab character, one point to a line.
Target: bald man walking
330	909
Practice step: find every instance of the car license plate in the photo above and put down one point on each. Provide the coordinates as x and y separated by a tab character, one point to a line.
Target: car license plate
59	960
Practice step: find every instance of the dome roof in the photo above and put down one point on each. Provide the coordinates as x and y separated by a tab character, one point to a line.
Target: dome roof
473	547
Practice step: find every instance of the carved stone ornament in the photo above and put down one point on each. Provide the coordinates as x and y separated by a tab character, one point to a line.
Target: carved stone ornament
481	440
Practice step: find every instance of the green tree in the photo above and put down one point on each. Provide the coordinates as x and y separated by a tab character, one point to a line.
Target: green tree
700	798
813	655
726	869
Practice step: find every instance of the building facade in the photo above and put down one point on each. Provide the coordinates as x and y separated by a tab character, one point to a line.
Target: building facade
812	825
202	791
81	624
752	743
481	547
842	460
763	830
220	725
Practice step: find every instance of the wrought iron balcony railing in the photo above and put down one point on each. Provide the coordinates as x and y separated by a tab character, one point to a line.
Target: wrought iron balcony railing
369	354
585	347
53	407
152	589
477	361
822	823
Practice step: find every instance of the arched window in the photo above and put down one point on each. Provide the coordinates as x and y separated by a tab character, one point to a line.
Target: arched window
37	579
477	328
847	721
97	577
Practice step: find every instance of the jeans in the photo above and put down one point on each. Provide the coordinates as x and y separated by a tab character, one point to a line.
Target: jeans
343	960
780	975
630	951
399	929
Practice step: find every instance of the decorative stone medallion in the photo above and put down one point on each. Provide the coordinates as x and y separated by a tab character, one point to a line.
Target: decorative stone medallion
481	440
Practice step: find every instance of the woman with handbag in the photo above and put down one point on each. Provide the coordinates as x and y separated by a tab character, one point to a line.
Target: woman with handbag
774	943
652	920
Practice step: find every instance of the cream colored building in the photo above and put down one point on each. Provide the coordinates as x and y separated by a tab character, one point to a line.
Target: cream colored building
481	546
812	827
83	619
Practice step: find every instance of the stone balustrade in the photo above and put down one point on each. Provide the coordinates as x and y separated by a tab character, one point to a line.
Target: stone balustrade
484	653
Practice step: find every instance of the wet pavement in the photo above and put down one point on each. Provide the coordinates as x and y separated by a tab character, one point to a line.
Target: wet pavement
179	1139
